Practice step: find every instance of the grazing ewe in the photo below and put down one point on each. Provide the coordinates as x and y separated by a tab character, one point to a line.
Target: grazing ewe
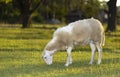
82	32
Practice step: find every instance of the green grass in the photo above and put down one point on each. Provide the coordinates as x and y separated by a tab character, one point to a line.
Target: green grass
20	55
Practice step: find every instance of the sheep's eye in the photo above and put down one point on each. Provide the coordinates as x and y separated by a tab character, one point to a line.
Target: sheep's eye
45	57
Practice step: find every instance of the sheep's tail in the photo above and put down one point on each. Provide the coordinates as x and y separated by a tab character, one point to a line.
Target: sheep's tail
103	39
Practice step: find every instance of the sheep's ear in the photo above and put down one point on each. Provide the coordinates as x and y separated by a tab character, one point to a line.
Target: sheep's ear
52	52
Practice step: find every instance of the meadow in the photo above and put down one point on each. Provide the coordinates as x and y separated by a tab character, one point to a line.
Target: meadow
21	50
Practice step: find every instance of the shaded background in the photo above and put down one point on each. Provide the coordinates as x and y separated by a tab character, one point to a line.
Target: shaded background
26	12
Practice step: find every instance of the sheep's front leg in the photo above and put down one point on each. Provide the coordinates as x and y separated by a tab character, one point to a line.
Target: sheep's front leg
69	59
92	46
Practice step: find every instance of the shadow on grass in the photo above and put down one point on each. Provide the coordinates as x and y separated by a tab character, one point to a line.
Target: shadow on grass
42	68
111	61
111	50
113	35
32	69
19	49
26	36
45	27
103	73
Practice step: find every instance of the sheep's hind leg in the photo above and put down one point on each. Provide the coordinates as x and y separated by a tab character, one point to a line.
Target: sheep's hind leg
93	48
69	59
99	52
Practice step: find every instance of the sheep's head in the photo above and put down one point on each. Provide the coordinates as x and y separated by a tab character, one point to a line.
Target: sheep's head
47	57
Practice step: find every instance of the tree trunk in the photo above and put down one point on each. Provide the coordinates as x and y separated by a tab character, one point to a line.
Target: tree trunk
25	20
111	15
26	11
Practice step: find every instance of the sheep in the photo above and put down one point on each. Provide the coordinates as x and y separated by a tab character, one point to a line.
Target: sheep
82	32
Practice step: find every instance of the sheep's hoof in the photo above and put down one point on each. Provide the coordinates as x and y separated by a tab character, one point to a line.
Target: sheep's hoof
66	65
90	63
70	62
98	63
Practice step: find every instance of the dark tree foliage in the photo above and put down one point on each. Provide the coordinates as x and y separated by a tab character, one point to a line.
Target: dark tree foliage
26	8
7	13
111	15
24	11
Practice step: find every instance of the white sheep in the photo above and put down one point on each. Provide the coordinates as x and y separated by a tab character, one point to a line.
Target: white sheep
82	32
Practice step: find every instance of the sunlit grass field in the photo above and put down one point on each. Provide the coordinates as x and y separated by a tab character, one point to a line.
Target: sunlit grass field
21	49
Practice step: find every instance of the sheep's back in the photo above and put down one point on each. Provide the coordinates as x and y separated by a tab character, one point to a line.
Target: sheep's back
86	30
81	31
